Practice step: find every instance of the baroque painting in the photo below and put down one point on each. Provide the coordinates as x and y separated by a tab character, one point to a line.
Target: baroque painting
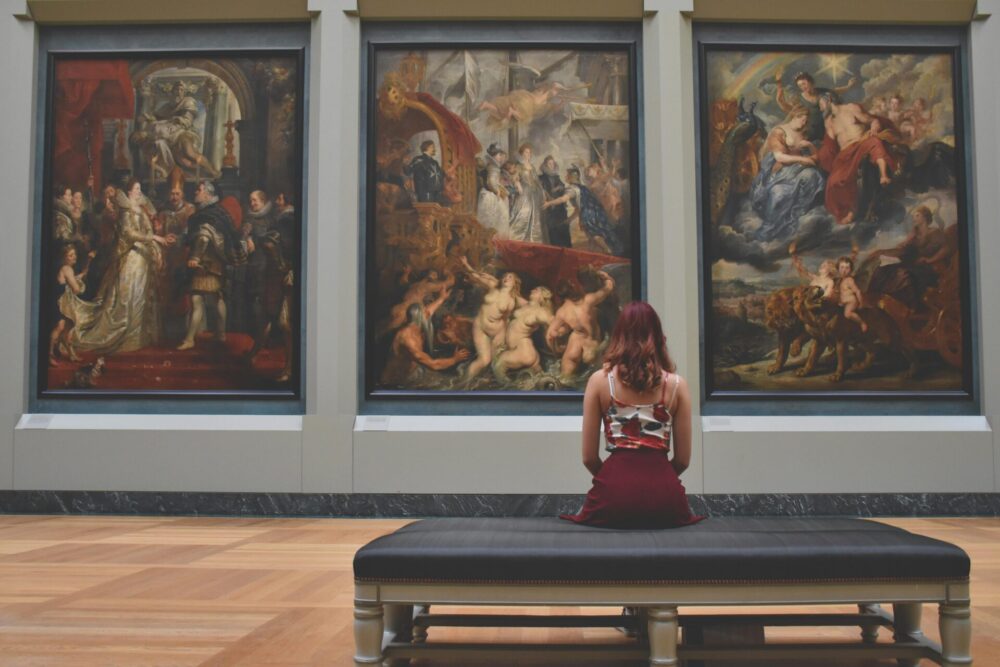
503	226
170	239
833	220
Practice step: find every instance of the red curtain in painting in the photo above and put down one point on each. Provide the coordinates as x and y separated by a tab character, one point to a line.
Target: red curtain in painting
87	92
550	264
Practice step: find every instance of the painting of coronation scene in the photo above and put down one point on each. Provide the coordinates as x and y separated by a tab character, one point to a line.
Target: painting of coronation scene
833	204
502	240
171	237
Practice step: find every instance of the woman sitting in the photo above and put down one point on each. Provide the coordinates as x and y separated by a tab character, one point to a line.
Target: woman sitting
788	183
645	408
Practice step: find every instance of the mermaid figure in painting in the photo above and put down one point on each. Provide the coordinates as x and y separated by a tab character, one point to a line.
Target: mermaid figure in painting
788	182
489	329
124	315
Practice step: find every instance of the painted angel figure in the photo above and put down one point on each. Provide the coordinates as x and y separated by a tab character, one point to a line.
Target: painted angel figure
523	106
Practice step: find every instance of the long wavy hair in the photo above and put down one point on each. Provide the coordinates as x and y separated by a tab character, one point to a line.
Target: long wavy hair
638	347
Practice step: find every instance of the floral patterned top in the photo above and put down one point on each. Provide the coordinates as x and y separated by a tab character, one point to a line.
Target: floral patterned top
629	426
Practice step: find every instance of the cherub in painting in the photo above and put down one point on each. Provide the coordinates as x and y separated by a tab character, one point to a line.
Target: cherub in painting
523	106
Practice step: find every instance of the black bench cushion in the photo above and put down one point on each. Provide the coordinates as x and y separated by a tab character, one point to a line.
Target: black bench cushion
717	550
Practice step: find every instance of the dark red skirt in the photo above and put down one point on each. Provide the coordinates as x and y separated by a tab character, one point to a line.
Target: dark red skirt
636	488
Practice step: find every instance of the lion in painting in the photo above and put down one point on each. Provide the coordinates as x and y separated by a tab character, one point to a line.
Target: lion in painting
824	321
780	317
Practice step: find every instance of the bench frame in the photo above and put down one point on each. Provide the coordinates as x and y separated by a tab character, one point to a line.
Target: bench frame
391	620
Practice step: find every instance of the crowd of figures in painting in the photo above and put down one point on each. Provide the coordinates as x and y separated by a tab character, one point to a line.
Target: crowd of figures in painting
173	236
503	217
833	221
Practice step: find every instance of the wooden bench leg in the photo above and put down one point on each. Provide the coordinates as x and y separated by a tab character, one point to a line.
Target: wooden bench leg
398	627
869	633
368	628
906	627
955	623
662	625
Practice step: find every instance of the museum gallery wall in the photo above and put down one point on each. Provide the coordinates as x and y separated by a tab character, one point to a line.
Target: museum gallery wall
502	221
170	243
503	226
834	220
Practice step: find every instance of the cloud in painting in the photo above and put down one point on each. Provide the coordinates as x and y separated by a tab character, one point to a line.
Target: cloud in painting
912	77
550	134
721	71
817	231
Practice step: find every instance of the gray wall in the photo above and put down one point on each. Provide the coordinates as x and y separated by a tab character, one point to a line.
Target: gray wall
331	450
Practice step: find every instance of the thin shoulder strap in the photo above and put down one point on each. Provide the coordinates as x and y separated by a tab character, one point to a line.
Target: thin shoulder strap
611	383
664	376
677	381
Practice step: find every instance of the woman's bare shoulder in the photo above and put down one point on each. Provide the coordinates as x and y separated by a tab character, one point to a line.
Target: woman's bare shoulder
598	380
681	386
600	375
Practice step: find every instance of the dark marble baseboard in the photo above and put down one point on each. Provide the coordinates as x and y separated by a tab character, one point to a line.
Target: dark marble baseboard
424	505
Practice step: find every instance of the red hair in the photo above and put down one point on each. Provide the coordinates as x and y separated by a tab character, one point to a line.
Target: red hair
638	347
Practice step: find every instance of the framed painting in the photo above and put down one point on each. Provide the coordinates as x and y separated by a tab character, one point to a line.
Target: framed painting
170	233
834	214
502	212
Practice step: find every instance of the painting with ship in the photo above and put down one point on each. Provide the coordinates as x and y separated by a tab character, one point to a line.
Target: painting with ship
503	217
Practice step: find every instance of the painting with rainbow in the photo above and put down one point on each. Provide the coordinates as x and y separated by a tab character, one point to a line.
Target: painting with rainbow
833	219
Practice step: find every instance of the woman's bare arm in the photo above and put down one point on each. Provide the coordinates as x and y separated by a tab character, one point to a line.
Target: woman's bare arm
682	428
779	94
800	267
592	422
484	279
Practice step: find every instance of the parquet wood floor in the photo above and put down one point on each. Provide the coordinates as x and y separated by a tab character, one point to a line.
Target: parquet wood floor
121	591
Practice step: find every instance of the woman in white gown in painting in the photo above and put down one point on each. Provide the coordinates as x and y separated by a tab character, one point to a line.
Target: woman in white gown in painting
125	314
492	208
526	207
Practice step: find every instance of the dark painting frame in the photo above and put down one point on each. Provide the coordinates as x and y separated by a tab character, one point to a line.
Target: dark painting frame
850	40
181	43
396	37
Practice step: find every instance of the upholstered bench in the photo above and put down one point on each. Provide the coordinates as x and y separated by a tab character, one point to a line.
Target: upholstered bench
720	561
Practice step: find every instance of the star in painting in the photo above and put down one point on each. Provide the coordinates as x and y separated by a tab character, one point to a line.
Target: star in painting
835	63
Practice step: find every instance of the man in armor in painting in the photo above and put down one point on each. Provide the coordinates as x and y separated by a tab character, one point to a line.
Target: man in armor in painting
428	177
214	243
